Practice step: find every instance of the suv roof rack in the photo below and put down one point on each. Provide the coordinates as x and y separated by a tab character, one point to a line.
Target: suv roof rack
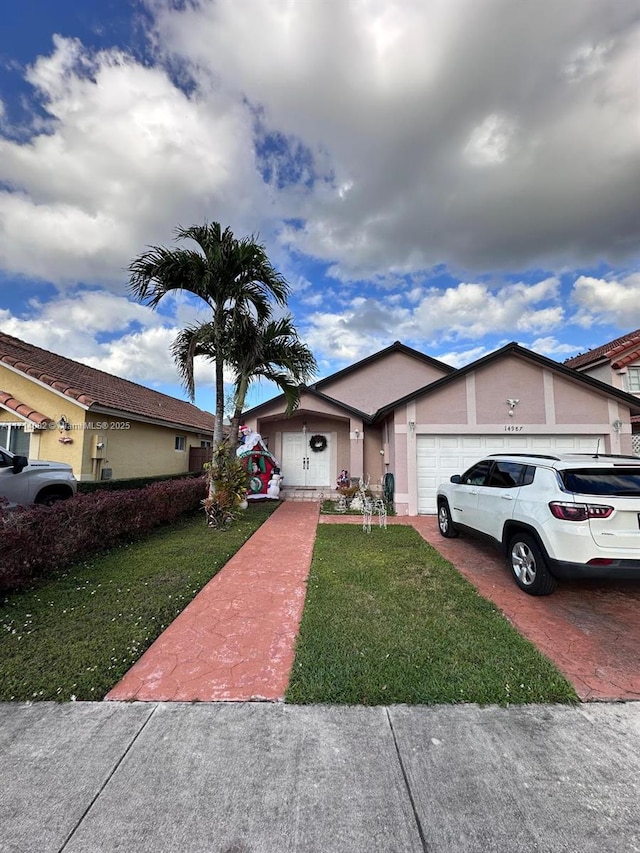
629	456
528	455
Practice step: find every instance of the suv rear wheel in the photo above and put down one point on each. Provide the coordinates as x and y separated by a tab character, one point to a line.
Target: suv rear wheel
528	565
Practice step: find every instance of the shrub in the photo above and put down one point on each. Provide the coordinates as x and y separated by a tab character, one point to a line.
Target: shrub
228	479
39	540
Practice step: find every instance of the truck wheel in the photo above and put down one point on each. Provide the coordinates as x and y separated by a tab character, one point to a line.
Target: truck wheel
50	497
528	565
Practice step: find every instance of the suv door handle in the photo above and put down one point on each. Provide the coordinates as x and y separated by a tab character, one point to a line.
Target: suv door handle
507	497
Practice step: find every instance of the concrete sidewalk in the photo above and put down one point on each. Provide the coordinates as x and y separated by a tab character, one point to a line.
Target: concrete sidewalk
272	778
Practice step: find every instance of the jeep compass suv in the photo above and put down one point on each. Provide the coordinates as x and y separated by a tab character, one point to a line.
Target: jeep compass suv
564	516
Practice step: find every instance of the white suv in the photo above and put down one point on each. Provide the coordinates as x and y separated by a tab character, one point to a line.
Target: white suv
27	481
564	516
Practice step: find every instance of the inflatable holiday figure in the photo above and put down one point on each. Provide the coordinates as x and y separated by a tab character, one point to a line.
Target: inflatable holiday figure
258	462
273	486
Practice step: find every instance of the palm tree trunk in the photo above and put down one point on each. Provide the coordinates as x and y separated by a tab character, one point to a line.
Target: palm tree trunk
241	396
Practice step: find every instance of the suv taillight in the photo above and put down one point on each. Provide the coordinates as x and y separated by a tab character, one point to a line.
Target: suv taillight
579	512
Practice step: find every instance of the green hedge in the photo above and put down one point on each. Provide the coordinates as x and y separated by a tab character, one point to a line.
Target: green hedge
132	483
39	540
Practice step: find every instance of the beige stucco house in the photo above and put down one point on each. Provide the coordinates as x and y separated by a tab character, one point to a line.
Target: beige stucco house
404	414
105	427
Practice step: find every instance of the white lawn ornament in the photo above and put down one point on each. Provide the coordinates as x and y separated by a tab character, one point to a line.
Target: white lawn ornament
367	512
273	486
341	504
381	508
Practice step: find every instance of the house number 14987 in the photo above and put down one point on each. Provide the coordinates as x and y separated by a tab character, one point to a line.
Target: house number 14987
513	428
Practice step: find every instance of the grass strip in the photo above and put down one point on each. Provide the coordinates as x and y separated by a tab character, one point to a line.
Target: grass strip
388	620
75	635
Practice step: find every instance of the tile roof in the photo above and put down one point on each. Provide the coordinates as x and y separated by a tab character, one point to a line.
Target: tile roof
9	402
99	390
609	350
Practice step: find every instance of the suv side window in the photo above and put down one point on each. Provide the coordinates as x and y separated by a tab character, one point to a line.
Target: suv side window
507	475
477	475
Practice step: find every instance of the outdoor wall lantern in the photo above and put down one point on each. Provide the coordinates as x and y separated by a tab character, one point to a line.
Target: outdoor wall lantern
356	432
617	425
412	425
512	403
63	424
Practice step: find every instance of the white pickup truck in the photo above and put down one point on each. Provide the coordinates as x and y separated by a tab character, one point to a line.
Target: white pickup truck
27	481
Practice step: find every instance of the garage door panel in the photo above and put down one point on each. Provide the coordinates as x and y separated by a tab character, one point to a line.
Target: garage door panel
440	456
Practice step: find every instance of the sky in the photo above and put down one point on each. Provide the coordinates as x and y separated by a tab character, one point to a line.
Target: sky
451	174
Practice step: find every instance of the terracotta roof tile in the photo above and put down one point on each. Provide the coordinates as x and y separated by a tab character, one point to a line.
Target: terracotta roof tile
10	402
92	387
605	351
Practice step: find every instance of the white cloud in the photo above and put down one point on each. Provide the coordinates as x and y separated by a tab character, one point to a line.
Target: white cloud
553	348
472	310
126	157
489	142
607	301
400	103
461	358
468	311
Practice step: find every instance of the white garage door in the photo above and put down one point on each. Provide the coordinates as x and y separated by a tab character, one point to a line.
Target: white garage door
440	456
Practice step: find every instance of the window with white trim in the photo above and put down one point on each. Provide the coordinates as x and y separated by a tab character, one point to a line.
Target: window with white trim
181	442
14	438
633	377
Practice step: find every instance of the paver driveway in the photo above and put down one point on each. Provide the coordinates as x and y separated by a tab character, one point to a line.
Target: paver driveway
589	629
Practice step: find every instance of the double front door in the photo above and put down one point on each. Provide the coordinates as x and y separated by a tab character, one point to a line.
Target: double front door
301	466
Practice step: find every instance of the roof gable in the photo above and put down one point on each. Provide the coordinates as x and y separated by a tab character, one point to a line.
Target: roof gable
510	349
396	347
342	388
96	389
375	381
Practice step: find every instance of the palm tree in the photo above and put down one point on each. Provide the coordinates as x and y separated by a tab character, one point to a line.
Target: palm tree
233	276
273	351
269	350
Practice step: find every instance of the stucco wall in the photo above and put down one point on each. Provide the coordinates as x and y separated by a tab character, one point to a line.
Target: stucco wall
443	406
510	378
142	450
578	404
604	373
381	382
374	460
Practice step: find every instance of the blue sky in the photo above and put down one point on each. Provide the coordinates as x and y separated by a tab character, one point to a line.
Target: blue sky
454	175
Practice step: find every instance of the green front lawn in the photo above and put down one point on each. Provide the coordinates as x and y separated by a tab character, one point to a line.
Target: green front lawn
76	634
388	620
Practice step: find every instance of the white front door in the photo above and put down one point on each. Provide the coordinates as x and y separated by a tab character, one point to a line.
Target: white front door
301	466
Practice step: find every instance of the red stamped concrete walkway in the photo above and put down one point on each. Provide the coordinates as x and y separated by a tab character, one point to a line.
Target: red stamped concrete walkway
235	640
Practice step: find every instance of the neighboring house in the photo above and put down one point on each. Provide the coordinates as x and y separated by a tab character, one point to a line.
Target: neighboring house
105	427
617	363
402	413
